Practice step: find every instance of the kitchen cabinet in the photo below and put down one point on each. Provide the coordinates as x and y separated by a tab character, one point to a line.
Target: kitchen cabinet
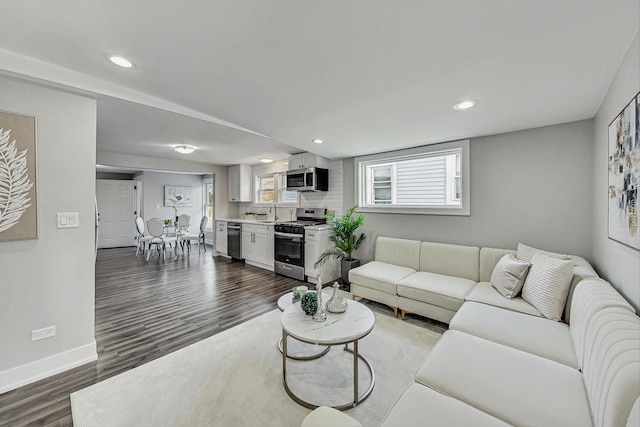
316	241
221	237
239	183
307	160
255	245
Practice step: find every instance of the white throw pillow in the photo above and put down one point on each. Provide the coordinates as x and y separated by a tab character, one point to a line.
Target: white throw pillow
547	284
508	275
525	253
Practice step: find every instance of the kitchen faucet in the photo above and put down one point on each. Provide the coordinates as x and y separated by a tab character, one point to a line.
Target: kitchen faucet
275	213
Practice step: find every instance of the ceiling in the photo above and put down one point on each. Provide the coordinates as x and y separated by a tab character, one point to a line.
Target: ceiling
248	79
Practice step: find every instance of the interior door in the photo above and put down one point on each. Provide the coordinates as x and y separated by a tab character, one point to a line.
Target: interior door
115	213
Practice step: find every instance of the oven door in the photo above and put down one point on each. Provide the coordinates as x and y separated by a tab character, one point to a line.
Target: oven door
289	248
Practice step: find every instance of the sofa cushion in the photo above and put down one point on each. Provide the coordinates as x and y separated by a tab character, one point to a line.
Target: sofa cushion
611	366
400	252
485	293
324	416
526	253
515	386
438	289
547	285
581	270
450	260
509	274
535	335
591	296
379	276
489	257
419	405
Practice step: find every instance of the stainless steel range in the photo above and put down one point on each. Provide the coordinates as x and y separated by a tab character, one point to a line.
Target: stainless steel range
289	242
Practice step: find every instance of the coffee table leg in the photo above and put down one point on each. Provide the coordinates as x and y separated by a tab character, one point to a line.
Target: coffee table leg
284	354
355	373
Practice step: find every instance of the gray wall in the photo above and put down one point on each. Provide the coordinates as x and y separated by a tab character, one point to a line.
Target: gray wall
615	262
50	281
532	186
153	195
223	209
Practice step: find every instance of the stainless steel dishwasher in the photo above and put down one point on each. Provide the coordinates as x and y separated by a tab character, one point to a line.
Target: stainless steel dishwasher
234	239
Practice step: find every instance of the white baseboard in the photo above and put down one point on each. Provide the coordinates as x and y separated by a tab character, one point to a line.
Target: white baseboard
43	368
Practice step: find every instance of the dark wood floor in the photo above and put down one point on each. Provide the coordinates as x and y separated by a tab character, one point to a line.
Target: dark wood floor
145	310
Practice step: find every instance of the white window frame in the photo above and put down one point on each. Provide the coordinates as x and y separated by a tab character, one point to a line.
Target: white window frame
279	181
205	198
463	209
370	184
257	196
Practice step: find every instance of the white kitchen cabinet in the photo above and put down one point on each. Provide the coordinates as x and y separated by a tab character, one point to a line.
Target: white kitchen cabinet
255	245
239	183
306	160
221	237
270	246
316	241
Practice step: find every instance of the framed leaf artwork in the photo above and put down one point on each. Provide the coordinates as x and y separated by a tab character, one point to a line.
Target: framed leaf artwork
18	198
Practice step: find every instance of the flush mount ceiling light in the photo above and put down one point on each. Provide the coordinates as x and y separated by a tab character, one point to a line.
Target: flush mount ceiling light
266	160
465	105
185	149
122	62
317	141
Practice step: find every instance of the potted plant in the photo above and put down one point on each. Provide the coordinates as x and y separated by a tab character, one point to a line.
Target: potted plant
346	242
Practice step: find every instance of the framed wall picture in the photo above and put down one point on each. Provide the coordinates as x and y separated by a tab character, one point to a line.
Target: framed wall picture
624	165
178	196
18	197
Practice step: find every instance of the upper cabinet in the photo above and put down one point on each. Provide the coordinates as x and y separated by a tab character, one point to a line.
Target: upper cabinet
239	183
307	160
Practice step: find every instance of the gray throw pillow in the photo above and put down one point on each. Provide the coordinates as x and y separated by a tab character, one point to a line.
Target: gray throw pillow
508	275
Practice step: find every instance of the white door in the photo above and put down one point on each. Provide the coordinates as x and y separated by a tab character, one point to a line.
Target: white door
115	210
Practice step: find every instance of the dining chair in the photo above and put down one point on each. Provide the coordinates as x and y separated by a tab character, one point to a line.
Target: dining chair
199	238
159	243
142	239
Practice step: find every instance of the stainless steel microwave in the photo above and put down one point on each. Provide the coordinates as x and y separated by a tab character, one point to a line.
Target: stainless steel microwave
311	179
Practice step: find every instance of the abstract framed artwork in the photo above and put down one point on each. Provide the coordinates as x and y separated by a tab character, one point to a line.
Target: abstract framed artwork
624	165
178	196
18	196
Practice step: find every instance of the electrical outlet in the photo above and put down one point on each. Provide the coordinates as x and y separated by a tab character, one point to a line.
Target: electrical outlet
40	334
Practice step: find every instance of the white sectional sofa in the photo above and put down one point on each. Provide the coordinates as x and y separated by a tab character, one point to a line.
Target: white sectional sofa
502	363
434	279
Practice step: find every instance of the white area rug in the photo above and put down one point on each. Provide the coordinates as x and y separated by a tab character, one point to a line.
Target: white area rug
235	379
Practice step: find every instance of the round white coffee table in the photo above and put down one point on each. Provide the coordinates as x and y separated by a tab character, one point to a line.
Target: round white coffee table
339	328
286	301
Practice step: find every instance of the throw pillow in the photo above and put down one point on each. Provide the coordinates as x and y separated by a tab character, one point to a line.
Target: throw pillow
508	275
525	253
547	284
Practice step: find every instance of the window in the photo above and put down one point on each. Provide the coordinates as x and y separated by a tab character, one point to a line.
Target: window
433	179
207	187
380	185
266	185
272	188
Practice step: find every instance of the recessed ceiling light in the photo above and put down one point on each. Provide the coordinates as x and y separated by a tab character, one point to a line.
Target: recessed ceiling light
465	105
266	160
123	62
185	149
317	141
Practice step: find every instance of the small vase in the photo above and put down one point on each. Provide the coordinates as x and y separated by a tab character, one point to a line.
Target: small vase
320	315
336	303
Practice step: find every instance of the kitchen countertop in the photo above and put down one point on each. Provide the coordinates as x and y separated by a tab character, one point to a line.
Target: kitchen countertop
319	227
247	221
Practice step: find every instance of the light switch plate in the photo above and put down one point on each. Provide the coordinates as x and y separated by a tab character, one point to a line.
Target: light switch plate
68	220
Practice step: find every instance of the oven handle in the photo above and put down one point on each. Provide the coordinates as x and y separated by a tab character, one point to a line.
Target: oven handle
291	235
